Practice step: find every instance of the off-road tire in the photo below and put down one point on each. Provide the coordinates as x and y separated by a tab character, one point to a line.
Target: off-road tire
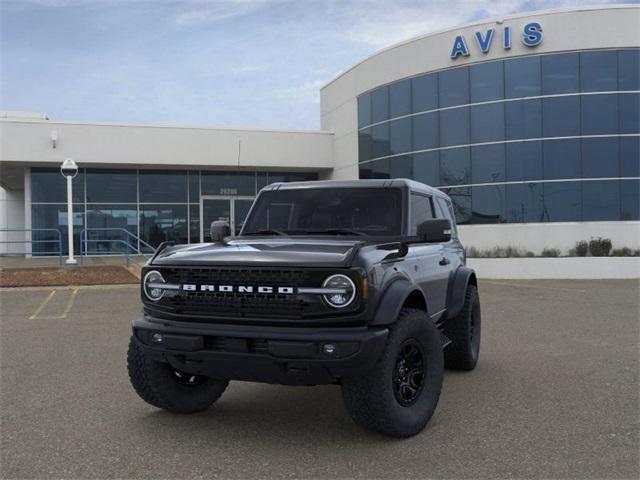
156	383
370	399
464	332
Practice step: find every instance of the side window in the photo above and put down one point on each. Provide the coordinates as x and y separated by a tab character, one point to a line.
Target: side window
421	210
445	209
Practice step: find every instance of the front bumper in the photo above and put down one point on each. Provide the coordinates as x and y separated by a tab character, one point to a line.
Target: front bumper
290	356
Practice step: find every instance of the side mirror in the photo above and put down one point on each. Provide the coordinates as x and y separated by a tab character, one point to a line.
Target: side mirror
436	230
219	230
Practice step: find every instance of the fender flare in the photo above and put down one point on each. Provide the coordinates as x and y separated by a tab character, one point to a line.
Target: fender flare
457	289
392	301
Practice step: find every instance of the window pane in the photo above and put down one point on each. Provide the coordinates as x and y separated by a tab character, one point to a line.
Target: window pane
522	77
599	71
280	177
380	140
110	222
524	203
629	69
630	156
228	183
400	135
562	201
601	200
461	200
561	159
53	217
365	145
426	168
561	116
112	186
401	167
488	204
524	161
376	169
194	223
424	93
630	200
48	185
364	110
454	127
487	123
161	223
380	105
421	210
487	164
454	87
169	186
599	114
560	73
629	112
425	131
523	119
400	98
600	157
455	166
194	186
487	81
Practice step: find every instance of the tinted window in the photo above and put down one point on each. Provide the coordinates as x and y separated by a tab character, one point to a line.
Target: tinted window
487	81
194	223
600	157
364	110
401	167
524	161
446	211
523	119
524	203
601	200
488	204
48	185
561	159
163	186
228	183
454	87
113	219
630	156
562	201
365	145
461	201
376	169
425	131
160	223
487	164
400	98
53	216
454	127
598	71
522	77
421	210
487	122
629	70
424	92
599	114
194	186
380	105
400	135
629	113
561	116
426	168
629	204
455	166
112	186
380	140
560	73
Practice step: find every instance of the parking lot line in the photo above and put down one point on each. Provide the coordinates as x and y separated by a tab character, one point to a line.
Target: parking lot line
36	315
42	305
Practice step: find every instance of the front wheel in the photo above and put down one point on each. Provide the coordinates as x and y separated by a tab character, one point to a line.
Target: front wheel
162	386
399	395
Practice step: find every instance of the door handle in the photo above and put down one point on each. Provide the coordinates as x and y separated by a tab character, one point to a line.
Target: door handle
444	261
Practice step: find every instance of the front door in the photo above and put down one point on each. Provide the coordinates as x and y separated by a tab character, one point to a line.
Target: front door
232	210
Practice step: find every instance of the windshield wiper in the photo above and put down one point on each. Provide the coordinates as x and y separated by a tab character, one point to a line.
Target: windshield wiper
266	231
337	231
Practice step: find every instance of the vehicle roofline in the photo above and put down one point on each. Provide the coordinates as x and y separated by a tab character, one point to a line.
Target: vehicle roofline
365	183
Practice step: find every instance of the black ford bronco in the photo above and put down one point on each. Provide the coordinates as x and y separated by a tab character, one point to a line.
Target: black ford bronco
360	283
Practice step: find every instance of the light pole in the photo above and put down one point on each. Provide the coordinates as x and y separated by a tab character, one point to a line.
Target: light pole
69	170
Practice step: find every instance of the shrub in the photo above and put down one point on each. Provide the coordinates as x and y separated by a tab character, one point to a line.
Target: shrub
600	247
625	252
473	252
550	252
581	248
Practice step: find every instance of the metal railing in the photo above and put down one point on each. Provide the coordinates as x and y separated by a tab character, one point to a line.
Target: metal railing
132	245
57	241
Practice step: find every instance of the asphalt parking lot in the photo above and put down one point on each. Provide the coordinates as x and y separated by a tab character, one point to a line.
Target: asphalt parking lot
555	395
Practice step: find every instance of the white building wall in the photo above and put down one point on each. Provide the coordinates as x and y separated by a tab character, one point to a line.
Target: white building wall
11	217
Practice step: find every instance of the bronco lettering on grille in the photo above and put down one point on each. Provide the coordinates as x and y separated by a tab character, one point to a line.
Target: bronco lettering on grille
191	287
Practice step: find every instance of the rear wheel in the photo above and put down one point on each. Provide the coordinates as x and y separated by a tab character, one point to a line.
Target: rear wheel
464	332
399	395
162	386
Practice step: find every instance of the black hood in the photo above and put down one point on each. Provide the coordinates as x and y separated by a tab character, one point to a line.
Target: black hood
272	251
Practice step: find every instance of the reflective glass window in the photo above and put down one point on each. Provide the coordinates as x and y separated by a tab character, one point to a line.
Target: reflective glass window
522	77
380	105
630	156
401	167
561	116
380	140
629	203
161	223
487	122
48	185
228	183
454	87
561	159
365	145
488	204
426	168
380	168
601	200
562	201
194	186
600	157
421	211
364	110
523	161
279	177
599	71
599	114
113	222
560	73
194	223
461	202
53	217
487	164
454	127
400	98
455	166
524	203
112	186
629	69
629	112
167	186
486	81
523	119
425	131
400	135
424	93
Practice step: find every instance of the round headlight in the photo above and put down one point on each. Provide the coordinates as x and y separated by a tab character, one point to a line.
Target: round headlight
151	283
345	291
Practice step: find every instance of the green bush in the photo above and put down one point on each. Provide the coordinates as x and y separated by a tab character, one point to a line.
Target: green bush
550	252
625	252
581	248
600	247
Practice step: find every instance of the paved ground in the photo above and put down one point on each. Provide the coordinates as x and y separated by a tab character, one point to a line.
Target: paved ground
555	395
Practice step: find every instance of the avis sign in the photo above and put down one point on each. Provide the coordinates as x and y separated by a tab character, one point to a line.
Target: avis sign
531	37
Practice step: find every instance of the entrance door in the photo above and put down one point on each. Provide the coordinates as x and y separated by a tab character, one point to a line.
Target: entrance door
232	210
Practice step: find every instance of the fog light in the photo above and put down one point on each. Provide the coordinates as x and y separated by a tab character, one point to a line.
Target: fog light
329	348
156	338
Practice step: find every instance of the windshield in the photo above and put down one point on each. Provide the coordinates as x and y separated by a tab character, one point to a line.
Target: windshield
330	211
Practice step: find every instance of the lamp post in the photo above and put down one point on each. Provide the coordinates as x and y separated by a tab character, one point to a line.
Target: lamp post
69	170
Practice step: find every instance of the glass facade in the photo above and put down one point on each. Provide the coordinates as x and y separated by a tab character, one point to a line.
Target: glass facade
544	138
154	205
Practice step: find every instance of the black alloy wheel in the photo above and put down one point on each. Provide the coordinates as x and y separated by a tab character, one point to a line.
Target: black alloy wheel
408	374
